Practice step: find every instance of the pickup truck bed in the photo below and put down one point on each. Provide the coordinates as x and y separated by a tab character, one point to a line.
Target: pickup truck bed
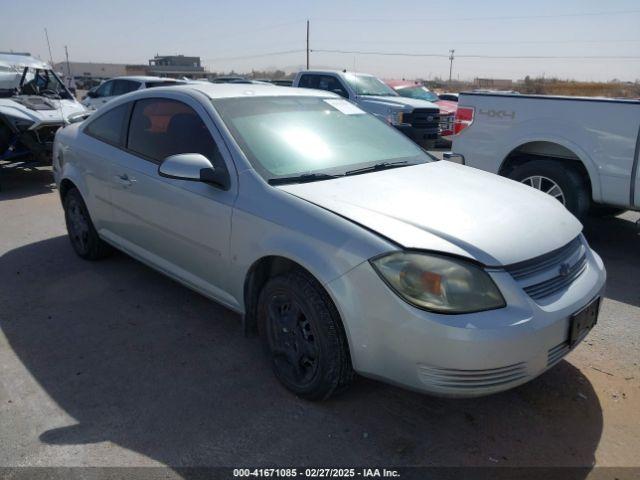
587	147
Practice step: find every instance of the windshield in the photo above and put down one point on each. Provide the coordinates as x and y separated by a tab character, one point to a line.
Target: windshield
368	85
32	81
419	92
289	136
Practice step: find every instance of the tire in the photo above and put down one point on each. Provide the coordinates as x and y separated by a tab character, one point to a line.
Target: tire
82	234
574	190
303	336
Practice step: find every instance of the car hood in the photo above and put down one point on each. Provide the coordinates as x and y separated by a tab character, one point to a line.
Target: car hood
446	106
396	102
40	110
442	206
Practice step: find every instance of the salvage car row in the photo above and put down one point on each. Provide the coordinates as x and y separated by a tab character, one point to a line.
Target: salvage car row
343	243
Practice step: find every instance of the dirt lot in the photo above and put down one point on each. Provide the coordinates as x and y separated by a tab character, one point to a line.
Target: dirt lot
113	364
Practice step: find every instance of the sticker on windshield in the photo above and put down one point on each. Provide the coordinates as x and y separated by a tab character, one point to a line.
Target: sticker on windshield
344	106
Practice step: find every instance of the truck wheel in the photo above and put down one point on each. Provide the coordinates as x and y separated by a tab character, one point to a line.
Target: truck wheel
558	180
303	336
82	234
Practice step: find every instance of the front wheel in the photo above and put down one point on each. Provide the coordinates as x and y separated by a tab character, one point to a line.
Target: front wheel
557	179
303	336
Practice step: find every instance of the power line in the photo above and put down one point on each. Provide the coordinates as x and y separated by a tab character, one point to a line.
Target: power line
257	55
391	54
459	19
439	55
492	42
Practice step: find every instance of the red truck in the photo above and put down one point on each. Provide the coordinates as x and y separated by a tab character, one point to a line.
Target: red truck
416	90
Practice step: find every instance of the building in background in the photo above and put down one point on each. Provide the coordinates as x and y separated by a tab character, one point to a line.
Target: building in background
88	74
176	66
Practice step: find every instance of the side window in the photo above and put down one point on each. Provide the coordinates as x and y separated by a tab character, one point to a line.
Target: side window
120	87
161	127
332	84
309	81
105	90
109	126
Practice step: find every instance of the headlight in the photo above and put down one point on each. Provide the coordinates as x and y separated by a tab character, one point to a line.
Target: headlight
439	283
394	118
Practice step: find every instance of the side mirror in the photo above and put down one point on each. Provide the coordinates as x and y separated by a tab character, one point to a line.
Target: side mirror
194	167
452	156
92	94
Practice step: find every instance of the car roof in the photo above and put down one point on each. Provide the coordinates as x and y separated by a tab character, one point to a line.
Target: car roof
237	90
146	78
337	72
22	60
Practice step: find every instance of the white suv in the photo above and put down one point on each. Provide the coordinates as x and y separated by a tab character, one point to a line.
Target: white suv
98	96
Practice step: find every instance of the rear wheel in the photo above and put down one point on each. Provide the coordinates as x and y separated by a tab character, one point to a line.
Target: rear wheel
303	336
557	179
82	234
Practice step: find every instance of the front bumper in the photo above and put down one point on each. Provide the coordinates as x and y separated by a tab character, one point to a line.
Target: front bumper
425	137
458	355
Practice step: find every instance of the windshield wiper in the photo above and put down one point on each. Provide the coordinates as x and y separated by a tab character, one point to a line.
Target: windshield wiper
378	166
304	178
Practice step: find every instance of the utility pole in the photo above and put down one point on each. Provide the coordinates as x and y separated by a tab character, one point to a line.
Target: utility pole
307	44
451	52
66	54
46	34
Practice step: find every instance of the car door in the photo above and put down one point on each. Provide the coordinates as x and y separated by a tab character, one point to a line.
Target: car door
103	94
181	227
329	83
333	84
102	138
122	86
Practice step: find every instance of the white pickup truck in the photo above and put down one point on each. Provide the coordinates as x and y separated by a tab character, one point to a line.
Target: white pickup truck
418	119
583	151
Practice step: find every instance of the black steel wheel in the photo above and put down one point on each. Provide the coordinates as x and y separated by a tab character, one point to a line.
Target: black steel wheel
82	234
303	336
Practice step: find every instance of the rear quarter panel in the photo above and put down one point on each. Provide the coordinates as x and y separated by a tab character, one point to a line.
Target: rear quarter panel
601	134
83	160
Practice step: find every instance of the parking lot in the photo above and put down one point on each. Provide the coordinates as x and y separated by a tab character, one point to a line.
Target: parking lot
112	364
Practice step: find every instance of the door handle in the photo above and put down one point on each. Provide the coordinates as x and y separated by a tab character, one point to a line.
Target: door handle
124	180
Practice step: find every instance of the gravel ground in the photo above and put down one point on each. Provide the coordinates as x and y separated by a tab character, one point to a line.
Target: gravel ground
112	364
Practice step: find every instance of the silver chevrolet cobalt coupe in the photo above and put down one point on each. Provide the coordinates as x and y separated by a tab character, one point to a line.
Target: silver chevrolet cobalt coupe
341	242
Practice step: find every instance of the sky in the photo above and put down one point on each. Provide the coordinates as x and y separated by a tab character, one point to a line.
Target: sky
267	34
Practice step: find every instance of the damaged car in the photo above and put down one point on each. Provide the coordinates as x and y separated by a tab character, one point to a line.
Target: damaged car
34	104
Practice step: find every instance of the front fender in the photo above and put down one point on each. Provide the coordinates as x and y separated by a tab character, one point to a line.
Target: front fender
272	222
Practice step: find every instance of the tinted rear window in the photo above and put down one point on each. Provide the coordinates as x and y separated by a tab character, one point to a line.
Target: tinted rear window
109	126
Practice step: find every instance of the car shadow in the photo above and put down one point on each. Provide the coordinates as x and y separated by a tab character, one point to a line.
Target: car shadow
145	363
617	241
18	183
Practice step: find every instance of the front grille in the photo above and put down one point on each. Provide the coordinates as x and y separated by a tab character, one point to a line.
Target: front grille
557	283
529	268
470	379
551	273
423	118
557	353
